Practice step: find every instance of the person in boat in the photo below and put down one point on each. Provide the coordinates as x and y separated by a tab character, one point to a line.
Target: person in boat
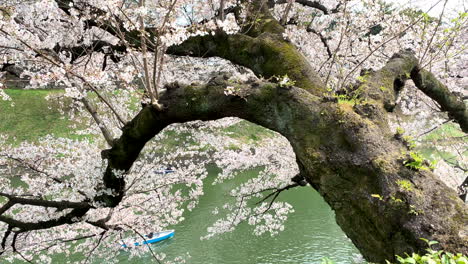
150	235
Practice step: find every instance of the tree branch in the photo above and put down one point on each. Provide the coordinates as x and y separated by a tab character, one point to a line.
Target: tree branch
5	237
79	209
276	193
95	246
284	17
448	101
60	205
323	39
92	111
319	34
30	226
85	10
6	207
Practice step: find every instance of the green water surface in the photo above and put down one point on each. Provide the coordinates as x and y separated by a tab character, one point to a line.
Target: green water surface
310	234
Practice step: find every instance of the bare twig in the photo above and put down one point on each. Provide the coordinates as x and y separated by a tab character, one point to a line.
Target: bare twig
148	245
92	111
95	246
277	192
144	51
434	128
284	18
434	33
335	53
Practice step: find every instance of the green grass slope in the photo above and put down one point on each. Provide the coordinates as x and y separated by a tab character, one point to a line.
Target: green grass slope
32	116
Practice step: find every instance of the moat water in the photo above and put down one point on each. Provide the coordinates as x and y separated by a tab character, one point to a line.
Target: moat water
311	234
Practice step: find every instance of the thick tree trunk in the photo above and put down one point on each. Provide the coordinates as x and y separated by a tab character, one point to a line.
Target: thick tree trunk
343	151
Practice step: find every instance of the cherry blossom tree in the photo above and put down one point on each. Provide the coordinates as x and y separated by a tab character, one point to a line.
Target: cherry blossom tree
325	75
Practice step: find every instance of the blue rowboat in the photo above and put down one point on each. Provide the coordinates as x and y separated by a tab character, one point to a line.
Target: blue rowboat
149	239
164	171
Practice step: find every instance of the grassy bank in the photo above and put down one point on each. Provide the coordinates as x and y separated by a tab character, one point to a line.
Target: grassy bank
33	117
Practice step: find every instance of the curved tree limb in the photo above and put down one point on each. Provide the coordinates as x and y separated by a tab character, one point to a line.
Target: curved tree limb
259	48
78	209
